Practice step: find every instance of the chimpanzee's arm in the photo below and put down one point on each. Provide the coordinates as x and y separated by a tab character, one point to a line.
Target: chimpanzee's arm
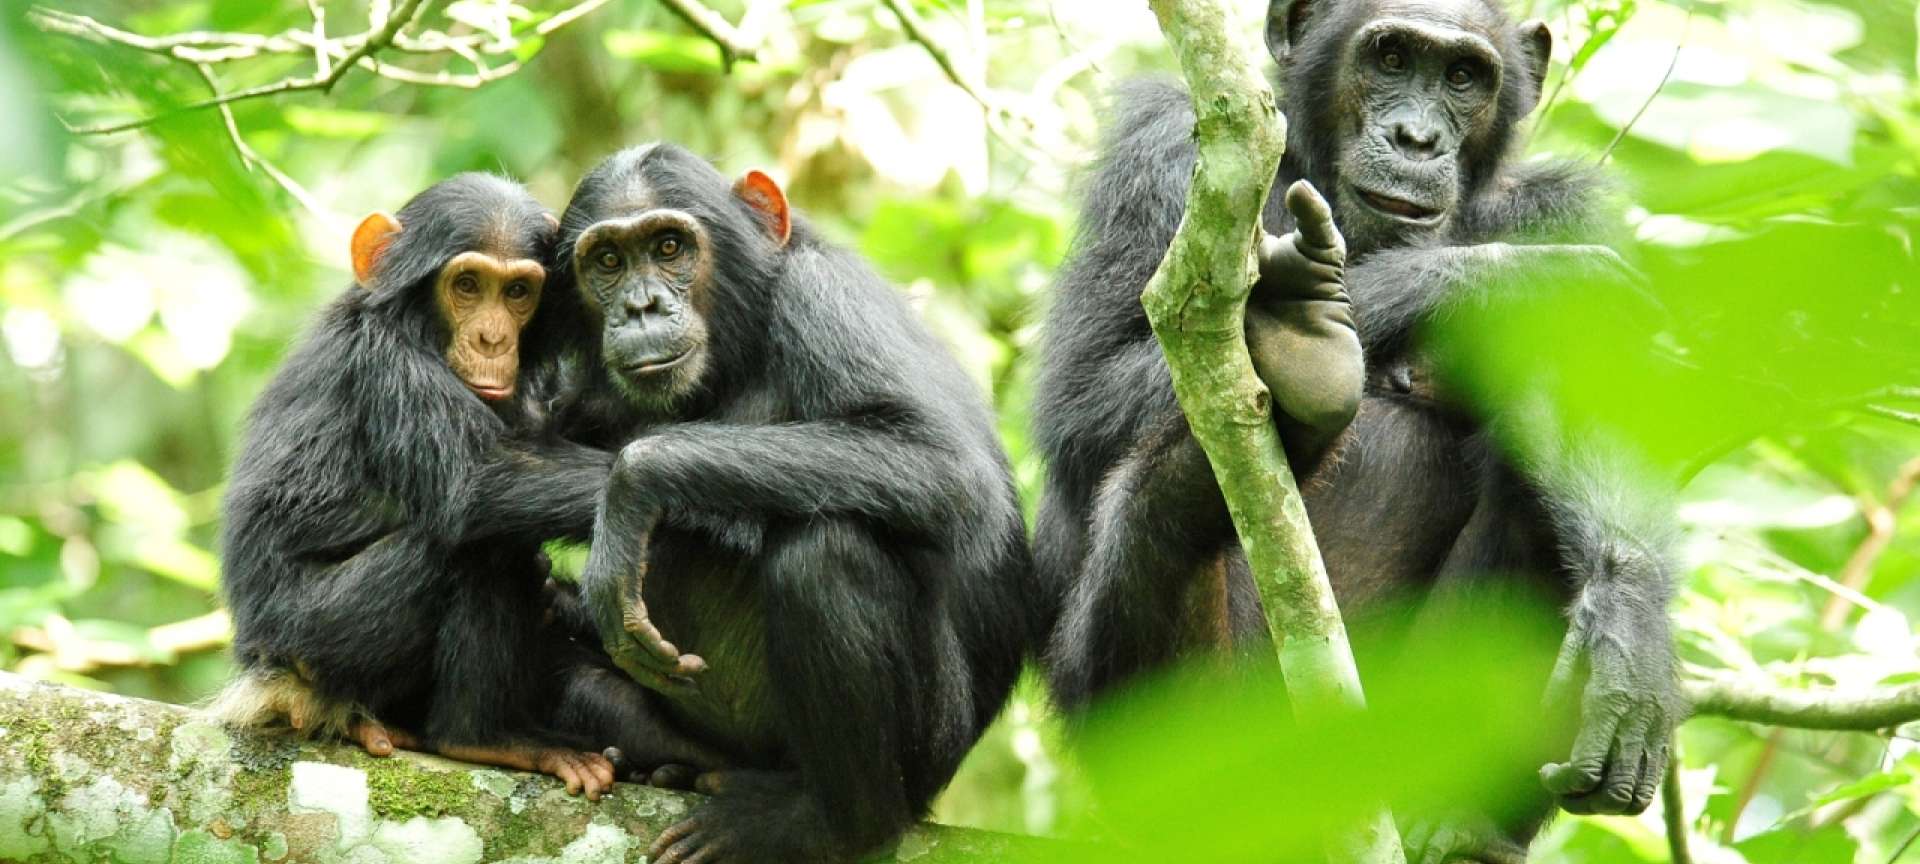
1553	221
535	491
1395	290
841	467
825	467
1612	522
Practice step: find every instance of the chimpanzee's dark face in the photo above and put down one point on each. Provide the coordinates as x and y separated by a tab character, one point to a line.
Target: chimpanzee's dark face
647	275
1404	98
1420	79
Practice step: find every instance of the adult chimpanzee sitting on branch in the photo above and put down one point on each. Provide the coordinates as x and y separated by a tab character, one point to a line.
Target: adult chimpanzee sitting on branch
816	499
1403	114
382	554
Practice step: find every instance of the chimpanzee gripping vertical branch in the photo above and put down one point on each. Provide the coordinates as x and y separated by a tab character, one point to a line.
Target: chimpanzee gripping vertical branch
1196	303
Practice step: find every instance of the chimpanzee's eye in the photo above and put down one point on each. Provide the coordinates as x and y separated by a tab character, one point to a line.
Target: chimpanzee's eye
466	284
1393	60
1460	76
667	248
517	291
607	258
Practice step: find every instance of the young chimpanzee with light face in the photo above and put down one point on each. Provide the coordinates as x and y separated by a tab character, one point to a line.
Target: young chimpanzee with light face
383	519
1403	113
817	498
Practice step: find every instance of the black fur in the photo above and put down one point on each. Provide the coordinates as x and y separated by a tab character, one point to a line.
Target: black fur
842	542
1420	496
383	522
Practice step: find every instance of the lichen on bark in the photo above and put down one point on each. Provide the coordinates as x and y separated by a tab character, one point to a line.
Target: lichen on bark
90	776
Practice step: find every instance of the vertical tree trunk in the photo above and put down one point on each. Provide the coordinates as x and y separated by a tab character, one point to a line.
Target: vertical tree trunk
1196	303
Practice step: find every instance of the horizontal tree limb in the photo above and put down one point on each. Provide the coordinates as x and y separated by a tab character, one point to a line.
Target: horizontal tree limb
1838	710
92	776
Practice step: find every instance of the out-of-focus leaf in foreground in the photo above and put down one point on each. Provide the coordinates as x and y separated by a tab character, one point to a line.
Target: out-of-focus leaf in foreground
1207	764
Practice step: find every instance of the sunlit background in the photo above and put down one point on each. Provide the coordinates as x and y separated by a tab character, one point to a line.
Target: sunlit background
151	280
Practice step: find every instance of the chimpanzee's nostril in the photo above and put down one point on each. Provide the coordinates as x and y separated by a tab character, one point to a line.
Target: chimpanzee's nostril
1414	140
641	307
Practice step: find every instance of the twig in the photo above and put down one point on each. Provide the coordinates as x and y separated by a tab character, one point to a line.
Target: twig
1881	518
1672	64
997	113
711	25
1673	810
1825	709
66	650
322	82
916	29
332	57
1894	414
1904	846
252	158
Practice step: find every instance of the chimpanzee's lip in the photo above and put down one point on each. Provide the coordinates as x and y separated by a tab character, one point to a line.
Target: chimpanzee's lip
489	393
1398	208
655	367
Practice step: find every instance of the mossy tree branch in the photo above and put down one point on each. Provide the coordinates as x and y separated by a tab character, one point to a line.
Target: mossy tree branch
1196	303
89	776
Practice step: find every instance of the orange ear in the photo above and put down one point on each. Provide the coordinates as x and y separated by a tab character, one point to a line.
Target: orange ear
764	195
370	241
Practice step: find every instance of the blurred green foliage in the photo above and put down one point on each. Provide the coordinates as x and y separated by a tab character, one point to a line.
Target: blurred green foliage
150	281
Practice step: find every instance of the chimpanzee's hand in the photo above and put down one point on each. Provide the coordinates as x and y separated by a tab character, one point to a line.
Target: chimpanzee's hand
1300	328
615	576
1575	264
1628	706
1466	838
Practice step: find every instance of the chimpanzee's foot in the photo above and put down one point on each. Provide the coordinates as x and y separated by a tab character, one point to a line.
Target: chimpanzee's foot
591	773
379	739
754	816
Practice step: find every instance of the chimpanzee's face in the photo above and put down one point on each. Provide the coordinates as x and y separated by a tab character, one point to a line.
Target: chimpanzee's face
1419	80
647	275
485	301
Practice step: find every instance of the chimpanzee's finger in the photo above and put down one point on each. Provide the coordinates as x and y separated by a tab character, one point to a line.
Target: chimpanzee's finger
1313	218
1583	771
1624	766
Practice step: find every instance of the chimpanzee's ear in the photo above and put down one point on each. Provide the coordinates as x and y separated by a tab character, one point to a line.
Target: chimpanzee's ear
552	221
1536	48
765	197
1285	18
370	242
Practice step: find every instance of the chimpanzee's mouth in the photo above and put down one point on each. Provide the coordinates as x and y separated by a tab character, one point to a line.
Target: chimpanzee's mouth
490	392
1399	208
656	366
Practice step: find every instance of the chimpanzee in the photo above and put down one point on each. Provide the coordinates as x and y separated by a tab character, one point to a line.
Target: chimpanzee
816	495
383	519
1403	113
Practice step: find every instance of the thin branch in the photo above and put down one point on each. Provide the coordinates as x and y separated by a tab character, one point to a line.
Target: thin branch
253	160
1894	414
997	113
318	9
1881	518
732	45
332	57
66	650
322	82
1673	811
1904	846
1827	709
916	29
1672	64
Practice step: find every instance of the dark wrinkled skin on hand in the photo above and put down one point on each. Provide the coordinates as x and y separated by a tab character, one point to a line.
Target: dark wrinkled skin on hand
1300	327
1618	663
1460	839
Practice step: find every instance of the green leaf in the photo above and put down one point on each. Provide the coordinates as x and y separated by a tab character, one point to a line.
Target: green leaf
336	122
665	52
1864	788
